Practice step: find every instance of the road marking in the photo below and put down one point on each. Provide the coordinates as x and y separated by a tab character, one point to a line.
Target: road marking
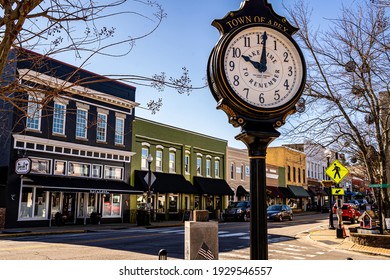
232	234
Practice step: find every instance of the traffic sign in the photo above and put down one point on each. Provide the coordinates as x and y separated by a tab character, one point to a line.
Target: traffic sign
152	178
336	171
379	185
338	191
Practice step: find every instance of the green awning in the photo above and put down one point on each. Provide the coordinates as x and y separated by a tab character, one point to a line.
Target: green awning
298	191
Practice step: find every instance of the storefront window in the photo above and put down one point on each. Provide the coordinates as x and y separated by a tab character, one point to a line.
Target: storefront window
40	166
113	172
40	204
26	203
55	203
141	204
111	205
79	169
97	171
91	203
173	203
33	203
161	204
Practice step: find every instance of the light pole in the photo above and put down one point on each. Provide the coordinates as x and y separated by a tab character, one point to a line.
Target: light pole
149	197
328	154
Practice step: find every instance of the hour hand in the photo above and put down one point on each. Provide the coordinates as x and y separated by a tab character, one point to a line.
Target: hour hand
254	63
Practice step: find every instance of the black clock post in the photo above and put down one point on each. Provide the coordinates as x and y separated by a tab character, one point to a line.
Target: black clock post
256	73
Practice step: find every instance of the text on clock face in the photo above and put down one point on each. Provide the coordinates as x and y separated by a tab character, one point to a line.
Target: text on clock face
263	67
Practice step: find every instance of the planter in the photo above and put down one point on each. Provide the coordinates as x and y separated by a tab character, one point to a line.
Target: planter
95	218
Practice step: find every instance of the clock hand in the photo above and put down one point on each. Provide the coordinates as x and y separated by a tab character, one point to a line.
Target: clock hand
263	59
254	63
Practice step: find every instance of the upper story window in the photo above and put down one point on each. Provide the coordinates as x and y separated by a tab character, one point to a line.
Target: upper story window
199	165
113	172
79	169
101	127
216	168
172	161
144	158
59	114
294	174
40	165
208	167
119	131
242	172
187	163
299	175
232	170
247	171
81	123
34	112
288	173
159	160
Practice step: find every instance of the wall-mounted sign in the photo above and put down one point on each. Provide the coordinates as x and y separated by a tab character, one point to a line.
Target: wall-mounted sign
23	166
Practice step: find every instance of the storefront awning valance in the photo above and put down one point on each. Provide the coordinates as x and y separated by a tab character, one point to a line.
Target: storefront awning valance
241	191
62	183
274	192
286	192
212	186
314	191
164	183
298	191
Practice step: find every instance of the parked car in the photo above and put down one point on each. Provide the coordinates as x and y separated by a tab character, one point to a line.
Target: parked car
354	201
279	212
350	212
237	211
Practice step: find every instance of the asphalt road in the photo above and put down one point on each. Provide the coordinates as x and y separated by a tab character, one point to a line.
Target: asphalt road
144	244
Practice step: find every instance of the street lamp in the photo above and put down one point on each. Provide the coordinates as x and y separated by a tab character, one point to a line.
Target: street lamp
328	154
149	197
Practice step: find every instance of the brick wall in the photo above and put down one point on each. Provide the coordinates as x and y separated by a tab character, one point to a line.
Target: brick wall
373	240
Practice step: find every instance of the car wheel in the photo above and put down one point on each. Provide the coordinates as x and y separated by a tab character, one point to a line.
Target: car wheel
290	218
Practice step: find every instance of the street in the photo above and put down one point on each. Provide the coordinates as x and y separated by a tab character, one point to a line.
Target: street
140	243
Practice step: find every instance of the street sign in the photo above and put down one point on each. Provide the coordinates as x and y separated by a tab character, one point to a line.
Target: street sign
327	183
379	186
336	171
338	191
152	179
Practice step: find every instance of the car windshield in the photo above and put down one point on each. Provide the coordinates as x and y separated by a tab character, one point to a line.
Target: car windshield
233	205
275	208
241	204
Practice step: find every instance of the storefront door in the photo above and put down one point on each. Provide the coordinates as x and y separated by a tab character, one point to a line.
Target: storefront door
69	207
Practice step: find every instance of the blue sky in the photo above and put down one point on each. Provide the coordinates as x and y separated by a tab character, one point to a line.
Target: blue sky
186	38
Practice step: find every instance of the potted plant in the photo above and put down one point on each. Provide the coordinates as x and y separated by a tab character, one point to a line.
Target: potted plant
95	218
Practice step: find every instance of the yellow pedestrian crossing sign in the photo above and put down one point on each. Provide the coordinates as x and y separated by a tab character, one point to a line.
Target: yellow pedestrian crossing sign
336	171
338	191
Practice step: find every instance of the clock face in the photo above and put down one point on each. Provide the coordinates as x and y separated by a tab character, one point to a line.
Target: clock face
263	67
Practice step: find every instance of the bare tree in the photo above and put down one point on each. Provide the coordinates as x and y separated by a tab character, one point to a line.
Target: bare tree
83	27
348	85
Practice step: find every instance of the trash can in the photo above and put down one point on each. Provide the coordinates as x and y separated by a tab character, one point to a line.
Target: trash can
141	218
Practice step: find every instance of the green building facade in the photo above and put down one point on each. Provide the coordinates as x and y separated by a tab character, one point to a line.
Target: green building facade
188	171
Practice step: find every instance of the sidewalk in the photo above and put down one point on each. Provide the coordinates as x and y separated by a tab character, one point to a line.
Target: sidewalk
322	235
328	237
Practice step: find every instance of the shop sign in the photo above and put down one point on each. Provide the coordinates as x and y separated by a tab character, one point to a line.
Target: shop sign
23	166
99	191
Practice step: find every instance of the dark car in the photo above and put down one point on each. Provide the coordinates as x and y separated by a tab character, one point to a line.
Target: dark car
279	212
237	211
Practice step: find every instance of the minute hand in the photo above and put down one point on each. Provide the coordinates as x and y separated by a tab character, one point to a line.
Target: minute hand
263	59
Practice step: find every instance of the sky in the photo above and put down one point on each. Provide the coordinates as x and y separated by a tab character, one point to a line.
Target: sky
185	39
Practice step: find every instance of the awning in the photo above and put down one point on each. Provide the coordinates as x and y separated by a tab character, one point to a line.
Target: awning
274	192
212	186
164	183
241	191
286	192
316	191
298	191
76	184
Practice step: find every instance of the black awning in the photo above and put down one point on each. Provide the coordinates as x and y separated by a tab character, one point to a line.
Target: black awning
164	183
274	192
298	191
62	183
212	186
314	191
286	192
241	191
